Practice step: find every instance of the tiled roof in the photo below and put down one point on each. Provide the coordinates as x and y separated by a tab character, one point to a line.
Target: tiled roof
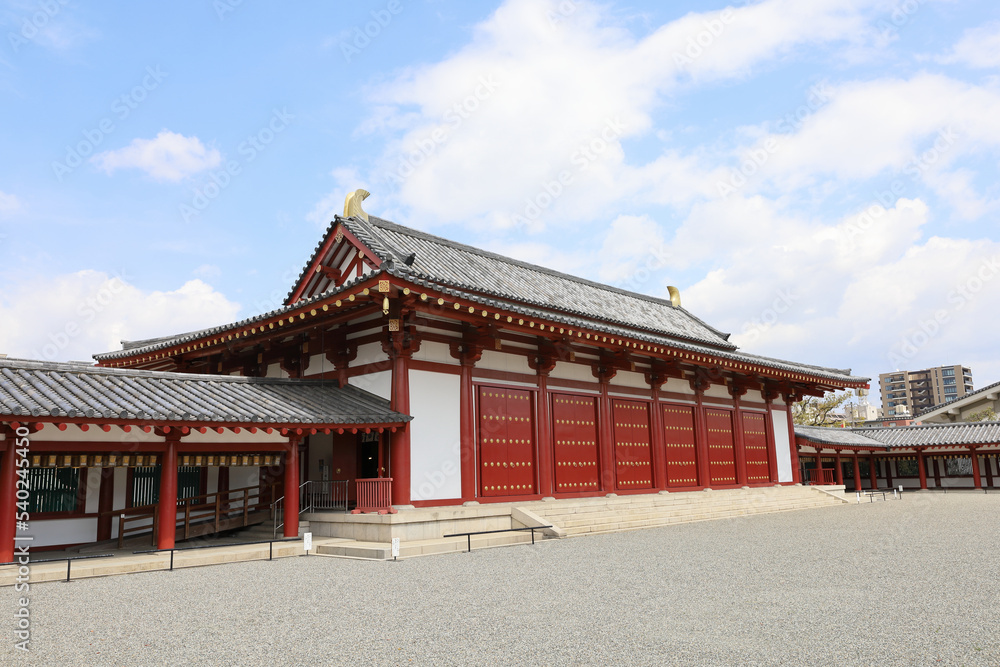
70	390
489	279
995	387
927	435
447	263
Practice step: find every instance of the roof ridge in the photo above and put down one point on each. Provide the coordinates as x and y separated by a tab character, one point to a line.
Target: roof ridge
528	265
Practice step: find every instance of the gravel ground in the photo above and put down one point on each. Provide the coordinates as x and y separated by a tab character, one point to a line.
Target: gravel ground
909	582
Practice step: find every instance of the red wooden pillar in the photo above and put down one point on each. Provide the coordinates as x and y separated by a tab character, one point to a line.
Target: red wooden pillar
223	484
167	508
740	439
605	435
988	466
977	480
922	469
105	503
8	498
873	471
857	473
466	421
793	448
399	442
839	469
291	517
659	447
819	467
701	443
545	472
888	471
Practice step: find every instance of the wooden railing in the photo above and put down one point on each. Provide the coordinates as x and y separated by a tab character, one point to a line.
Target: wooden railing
204	514
822	476
374	495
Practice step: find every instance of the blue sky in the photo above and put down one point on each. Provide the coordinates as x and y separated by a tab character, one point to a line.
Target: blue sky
818	178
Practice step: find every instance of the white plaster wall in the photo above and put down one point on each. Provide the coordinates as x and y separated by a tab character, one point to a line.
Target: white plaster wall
212	483
717	391
782	445
369	353
379	383
432	351
243	476
629	379
93	494
435	459
498	361
274	371
63	531
566	370
677	386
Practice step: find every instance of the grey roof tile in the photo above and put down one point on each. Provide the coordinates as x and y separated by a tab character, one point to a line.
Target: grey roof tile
62	390
927	435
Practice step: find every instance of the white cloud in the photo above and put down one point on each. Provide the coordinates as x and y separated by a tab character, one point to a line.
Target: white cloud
168	157
978	47
88	312
529	99
9	203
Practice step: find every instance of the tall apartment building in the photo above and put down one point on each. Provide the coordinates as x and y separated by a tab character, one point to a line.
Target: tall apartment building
911	392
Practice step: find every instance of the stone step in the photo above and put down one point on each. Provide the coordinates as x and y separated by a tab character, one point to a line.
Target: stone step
613	517
629	524
596	512
410	549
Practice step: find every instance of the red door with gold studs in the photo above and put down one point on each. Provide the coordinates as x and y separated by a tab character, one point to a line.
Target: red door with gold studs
574	431
678	437
633	454
721	446
755	442
506	442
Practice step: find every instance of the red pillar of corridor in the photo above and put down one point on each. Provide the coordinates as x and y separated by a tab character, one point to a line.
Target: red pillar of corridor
167	508
839	470
291	517
857	473
977	480
922	469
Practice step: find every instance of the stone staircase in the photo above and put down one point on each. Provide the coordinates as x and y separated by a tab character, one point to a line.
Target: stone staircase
591	516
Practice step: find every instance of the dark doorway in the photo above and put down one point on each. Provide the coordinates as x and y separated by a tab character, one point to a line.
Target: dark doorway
368	456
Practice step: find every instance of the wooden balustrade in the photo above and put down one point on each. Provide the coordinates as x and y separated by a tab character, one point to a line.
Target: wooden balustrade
198	515
374	495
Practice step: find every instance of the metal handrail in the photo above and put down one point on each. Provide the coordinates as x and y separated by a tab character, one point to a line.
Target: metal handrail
270	549
307	500
502	530
69	561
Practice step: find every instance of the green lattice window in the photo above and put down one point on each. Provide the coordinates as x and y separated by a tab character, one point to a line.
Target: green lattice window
54	490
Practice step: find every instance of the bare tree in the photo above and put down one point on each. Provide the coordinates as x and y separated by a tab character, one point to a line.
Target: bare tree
813	411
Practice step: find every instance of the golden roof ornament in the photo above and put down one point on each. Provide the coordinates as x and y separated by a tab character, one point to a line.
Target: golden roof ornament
675	295
352	204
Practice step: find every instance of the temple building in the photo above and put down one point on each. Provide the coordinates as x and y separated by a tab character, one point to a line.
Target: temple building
416	372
